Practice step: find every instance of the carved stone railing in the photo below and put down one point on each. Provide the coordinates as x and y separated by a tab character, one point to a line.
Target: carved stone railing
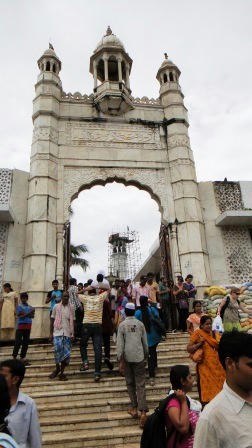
77	96
146	100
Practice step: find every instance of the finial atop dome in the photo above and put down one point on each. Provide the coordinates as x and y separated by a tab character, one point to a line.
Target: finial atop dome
51	46
109	31
166	55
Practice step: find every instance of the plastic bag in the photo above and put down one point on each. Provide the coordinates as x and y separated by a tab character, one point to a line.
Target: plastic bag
217	324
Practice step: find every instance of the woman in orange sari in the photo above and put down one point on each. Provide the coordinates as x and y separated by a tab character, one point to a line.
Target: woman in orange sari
211	374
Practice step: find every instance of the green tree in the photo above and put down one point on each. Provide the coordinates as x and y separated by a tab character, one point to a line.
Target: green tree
75	256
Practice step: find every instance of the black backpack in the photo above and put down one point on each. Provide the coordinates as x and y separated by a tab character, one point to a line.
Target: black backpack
154	433
223	309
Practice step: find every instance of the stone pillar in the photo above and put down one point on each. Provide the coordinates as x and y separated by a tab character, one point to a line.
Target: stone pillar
193	255
174	251
95	74
127	76
39	267
60	261
119	63
105	68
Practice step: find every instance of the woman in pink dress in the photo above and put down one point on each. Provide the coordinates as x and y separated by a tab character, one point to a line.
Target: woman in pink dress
182	413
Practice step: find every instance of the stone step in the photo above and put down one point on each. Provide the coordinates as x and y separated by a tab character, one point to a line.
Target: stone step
83	381
162	368
46	357
75	356
171	338
92	393
75	364
87	421
81	413
111	437
98	406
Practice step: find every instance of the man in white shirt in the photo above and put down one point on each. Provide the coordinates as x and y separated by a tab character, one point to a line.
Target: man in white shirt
22	420
226	421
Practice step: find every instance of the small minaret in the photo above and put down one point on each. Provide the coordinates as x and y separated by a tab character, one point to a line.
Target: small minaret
110	66
41	227
170	90
49	65
188	216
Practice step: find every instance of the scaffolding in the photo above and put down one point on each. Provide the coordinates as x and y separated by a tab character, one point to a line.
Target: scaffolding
124	255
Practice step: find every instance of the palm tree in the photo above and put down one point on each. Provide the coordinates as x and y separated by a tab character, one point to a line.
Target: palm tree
75	256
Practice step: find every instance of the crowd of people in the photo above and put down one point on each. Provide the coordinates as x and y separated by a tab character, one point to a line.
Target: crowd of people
136	318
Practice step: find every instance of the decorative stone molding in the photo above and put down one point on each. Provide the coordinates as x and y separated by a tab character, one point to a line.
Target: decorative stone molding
109	135
178	162
146	100
5	185
45	133
3	241
228	195
151	180
77	96
238	253
178	140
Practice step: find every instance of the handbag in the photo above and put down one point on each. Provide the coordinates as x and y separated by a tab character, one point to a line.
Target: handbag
158	324
197	356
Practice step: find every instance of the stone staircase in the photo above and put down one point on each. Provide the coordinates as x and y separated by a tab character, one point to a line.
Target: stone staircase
81	413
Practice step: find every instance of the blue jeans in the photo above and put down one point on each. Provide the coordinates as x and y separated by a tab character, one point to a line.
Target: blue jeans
95	332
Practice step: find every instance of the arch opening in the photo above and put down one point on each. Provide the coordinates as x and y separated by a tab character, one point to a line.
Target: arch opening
100	71
113	69
110	207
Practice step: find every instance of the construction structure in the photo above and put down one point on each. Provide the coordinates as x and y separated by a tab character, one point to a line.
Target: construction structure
124	255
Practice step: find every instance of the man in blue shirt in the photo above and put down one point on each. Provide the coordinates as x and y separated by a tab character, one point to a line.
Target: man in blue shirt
22	420
25	314
53	297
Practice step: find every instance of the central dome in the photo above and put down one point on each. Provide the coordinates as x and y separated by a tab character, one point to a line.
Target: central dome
109	40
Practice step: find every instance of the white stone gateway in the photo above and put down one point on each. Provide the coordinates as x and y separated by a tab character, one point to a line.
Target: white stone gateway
83	140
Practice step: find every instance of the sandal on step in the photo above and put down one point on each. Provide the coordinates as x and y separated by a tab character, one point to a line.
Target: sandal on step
134	414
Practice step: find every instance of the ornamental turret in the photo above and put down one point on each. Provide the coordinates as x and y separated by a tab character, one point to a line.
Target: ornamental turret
49	64
170	93
110	66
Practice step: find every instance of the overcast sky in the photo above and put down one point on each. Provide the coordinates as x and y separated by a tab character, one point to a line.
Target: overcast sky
210	41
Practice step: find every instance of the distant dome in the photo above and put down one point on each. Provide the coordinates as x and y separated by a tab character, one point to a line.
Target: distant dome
46	61
49	52
109	40
167	62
